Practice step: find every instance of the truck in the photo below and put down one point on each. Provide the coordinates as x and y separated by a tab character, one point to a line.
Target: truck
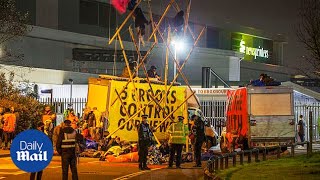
258	117
124	102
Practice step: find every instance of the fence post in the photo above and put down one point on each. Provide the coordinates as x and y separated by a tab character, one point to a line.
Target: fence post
216	161
221	163
256	156
310	132
278	152
212	166
227	162
264	154
249	156
308	148
292	150
234	160
241	157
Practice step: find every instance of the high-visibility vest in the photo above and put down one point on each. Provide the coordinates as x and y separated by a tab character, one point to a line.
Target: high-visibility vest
178	132
69	140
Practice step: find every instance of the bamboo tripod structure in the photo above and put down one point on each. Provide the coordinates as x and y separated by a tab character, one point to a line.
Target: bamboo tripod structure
141	63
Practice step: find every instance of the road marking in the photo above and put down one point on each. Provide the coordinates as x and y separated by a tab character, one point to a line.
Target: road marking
12	173
135	174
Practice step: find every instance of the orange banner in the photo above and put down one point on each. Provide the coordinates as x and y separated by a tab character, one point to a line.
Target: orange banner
237	114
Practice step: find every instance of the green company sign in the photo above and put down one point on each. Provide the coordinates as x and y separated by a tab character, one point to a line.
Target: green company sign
255	49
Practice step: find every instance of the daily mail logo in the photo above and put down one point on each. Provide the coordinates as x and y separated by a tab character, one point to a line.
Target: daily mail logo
24	154
31	151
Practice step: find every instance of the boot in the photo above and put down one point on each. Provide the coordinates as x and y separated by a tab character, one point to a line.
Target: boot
145	167
140	166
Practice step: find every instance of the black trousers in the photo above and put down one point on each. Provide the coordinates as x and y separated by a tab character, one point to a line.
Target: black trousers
197	152
143	153
7	138
33	175
173	149
69	159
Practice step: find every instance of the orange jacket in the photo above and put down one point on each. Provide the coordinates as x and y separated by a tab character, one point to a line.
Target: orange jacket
9	122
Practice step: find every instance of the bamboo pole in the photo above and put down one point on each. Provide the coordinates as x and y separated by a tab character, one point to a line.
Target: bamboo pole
163	15
130	74
152	22
167	65
125	109
144	58
186	22
139	55
125	57
176	109
131	117
180	68
124	22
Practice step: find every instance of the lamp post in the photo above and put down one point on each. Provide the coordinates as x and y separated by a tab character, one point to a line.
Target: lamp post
71	83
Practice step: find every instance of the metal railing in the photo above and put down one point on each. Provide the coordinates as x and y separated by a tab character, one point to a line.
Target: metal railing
61	104
221	162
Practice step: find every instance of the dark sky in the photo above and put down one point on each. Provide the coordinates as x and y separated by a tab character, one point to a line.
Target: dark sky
271	16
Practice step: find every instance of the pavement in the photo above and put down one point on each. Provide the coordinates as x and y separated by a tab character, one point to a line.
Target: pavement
4	153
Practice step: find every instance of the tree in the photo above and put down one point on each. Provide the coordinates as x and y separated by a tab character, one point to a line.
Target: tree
13	24
308	32
29	109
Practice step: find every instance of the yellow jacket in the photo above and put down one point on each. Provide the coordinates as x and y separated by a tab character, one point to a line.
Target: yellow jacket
178	133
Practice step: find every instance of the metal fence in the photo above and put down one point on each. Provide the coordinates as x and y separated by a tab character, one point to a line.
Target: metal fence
308	110
61	104
214	111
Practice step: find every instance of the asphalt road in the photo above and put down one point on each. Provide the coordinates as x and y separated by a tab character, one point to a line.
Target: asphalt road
90	168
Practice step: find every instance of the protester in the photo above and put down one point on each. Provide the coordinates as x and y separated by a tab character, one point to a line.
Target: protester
48	114
73	118
164	148
66	147
8	128
85	131
152	73
49	127
40	127
16	115
259	82
144	141
301	128
125	71
178	132
178	22
198	131
98	127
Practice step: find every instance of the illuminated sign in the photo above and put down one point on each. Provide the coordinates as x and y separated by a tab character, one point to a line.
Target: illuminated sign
255	49
260	52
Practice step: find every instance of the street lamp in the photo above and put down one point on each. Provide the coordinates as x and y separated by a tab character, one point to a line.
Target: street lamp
71	83
178	47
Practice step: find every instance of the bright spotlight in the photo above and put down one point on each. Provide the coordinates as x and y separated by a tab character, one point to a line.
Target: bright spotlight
178	45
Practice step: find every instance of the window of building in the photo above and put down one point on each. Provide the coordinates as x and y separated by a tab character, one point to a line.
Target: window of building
107	15
88	12
212	37
97	13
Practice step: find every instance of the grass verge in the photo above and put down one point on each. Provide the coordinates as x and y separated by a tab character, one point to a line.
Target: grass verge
299	167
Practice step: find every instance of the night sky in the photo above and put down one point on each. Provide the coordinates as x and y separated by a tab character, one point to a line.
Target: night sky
271	16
